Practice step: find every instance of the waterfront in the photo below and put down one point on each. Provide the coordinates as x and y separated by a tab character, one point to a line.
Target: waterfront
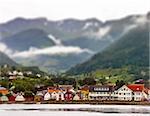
72	109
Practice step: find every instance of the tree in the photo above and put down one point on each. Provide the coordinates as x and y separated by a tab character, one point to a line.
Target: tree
103	80
28	94
87	81
47	82
4	83
120	83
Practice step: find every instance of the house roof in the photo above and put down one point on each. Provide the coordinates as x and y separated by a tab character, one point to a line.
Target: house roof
2	88
101	88
53	90
85	88
66	87
136	87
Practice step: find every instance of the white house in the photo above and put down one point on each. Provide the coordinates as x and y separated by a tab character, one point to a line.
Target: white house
135	92
123	93
56	94
19	98
61	95
101	92
4	98
76	97
47	96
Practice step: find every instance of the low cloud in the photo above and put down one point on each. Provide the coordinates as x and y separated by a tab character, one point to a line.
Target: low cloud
55	50
128	28
141	20
58	49
103	31
5	49
55	40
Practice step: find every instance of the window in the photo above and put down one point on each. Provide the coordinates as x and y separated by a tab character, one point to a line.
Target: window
138	93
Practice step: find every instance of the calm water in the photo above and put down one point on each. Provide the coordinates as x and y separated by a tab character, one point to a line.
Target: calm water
73	110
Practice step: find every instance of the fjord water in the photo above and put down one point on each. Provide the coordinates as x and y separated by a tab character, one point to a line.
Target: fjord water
73	110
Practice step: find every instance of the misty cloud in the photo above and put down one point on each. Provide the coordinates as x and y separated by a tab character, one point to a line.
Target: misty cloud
141	20
128	28
58	49
56	41
136	22
103	31
5	49
55	50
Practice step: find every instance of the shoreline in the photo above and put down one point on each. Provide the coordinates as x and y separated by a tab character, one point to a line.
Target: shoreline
82	102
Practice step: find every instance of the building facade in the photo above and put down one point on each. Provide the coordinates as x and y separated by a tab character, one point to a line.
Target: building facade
101	92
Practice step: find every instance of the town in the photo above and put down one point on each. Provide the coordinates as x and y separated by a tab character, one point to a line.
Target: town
12	92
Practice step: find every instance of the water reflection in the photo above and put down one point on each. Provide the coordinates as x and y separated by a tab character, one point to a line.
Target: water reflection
96	110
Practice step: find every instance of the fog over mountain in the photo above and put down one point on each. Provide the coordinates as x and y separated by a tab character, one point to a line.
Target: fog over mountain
132	49
58	45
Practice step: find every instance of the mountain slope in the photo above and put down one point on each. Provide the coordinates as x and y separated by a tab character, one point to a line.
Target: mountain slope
4	59
28	38
130	49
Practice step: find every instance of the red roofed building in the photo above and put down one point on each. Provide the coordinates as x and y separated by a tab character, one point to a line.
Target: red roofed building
139	92
136	87
12	98
132	92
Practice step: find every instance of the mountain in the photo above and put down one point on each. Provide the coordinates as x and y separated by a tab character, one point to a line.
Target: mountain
91	43
29	38
4	59
25	36
64	29
132	49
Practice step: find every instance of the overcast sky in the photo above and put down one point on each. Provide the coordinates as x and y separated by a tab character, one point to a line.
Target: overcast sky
80	9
